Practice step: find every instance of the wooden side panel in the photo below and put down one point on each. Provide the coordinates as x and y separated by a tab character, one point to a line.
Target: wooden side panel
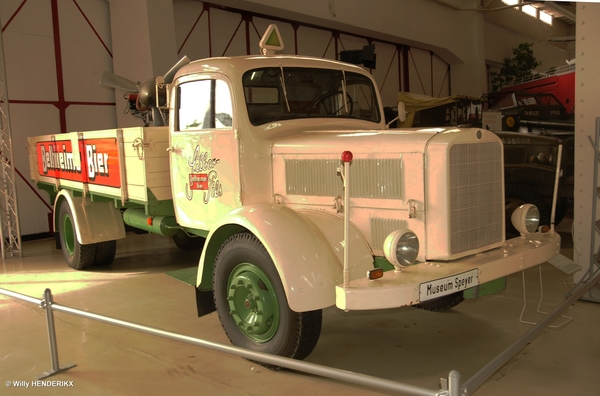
158	173
147	162
54	160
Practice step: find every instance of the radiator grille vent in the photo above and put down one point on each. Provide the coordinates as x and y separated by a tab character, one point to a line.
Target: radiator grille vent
381	228
476	209
370	178
514	155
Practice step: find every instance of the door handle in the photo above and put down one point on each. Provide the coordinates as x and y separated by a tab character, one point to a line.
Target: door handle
171	149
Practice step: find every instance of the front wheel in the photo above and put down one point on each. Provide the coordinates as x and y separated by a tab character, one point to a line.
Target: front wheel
252	305
78	256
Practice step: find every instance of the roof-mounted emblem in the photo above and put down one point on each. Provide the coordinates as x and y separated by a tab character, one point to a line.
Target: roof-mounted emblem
271	41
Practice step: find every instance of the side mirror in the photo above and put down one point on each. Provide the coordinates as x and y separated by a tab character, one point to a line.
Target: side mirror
401	114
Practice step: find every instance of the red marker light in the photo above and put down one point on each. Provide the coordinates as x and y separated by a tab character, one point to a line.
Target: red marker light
149	221
347	156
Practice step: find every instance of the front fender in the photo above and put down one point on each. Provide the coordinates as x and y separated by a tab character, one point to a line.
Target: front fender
305	246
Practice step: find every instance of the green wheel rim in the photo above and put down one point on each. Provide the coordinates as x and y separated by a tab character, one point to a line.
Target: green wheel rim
68	234
253	302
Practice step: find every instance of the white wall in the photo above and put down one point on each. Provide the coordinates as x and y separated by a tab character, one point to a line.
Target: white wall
454	36
587	84
143	42
32	68
500	41
505	29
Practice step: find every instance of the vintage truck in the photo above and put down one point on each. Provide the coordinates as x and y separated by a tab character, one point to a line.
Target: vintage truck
284	167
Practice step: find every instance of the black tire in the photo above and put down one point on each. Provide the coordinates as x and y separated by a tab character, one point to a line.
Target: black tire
105	253
187	243
77	256
442	303
252	306
516	195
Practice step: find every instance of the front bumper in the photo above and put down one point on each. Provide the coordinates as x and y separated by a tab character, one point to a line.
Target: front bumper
401	288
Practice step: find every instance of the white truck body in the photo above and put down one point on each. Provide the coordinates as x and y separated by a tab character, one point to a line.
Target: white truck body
252	148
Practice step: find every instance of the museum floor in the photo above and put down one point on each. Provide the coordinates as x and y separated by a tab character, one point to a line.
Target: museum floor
406	345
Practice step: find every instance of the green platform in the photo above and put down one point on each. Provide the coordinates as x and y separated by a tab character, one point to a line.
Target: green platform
185	275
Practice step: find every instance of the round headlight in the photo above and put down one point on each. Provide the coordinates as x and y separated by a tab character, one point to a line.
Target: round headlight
542	158
510	121
526	218
401	248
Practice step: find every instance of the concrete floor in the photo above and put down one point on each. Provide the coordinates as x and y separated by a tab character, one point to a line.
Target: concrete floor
406	345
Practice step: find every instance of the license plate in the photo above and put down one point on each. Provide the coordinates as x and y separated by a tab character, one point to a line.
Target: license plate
451	284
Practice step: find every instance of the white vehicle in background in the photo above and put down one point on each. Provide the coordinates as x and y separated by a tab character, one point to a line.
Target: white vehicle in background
284	168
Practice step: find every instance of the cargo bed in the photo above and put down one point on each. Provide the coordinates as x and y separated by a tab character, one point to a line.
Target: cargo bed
129	165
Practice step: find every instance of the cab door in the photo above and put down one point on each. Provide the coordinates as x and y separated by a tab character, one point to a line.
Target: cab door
204	152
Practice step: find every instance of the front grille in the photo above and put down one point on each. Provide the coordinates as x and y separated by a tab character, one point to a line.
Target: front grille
476	205
369	178
514	155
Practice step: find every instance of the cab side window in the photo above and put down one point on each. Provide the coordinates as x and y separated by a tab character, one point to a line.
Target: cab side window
204	104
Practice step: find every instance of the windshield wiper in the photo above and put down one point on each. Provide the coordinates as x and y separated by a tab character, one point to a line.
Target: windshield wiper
282	79
344	90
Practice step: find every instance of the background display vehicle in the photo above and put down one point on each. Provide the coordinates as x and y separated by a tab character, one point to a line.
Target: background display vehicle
530	158
283	169
532	112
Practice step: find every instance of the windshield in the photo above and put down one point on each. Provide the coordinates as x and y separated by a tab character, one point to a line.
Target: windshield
525	100
283	93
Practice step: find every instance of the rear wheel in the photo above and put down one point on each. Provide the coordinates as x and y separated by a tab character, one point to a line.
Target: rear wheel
78	256
252	305
442	303
105	253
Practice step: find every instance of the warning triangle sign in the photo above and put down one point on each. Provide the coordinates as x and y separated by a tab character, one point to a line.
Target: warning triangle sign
271	41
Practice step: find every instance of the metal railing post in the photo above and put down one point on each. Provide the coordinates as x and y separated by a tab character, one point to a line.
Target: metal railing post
454	383
47	306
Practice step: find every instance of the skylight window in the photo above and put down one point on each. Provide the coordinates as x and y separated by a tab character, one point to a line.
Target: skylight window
530	10
545	17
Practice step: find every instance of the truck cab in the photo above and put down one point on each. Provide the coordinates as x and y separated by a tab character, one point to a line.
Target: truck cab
227	112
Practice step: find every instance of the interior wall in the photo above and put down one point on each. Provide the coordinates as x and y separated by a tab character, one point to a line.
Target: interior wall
143	42
205	30
54	54
507	28
517	22
587	116
499	43
455	37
